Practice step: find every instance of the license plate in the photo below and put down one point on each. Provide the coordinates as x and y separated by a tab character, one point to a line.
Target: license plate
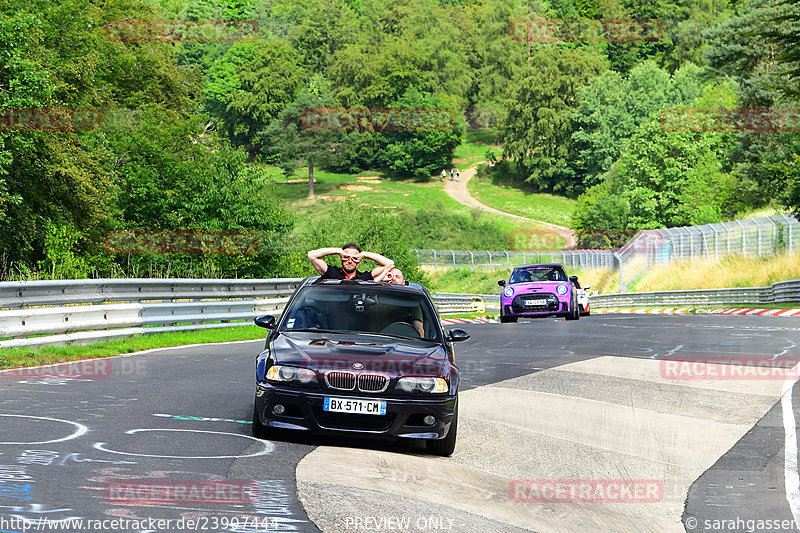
534	303
363	407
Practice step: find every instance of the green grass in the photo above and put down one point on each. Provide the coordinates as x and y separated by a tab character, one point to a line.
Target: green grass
538	206
371	189
43	355
471	315
473	149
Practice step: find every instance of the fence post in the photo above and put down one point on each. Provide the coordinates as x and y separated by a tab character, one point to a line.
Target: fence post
774	235
491	265
434	257
472	259
508	260
454	258
744	238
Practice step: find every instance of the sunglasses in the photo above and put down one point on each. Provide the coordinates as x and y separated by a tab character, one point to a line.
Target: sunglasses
352	258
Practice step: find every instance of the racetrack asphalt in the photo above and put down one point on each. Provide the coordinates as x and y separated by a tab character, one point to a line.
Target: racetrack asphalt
541	401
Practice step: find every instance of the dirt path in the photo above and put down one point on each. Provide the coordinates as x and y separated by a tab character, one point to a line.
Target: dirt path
457	190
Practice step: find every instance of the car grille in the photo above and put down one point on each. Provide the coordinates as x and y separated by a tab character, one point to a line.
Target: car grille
341	380
372	382
352	422
348	381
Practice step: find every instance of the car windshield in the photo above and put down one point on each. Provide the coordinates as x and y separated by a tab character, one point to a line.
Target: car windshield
540	273
364	309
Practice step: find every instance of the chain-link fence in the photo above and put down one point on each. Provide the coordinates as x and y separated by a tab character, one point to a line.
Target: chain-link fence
505	260
750	237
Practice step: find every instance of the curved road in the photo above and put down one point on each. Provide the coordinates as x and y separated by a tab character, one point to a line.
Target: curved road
546	405
458	191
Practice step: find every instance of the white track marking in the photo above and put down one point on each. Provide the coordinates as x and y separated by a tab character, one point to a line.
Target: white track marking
80	429
268	447
790	475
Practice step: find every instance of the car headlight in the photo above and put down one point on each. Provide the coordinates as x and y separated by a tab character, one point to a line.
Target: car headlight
428	385
290	373
562	289
509	292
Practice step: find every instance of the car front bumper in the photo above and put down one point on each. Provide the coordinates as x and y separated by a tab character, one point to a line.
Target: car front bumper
403	418
561	310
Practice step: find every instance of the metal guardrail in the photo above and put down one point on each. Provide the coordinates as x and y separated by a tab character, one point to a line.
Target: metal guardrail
777	293
82	311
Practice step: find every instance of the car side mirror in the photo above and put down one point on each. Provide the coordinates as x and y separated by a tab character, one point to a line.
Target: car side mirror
573	279
586	288
457	335
502	283
265	321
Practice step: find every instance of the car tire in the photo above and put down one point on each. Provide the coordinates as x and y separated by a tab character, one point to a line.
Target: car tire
507	319
574	312
447	445
260	431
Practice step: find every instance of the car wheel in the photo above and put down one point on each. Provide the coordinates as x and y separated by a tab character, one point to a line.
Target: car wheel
447	445
260	431
574	313
507	319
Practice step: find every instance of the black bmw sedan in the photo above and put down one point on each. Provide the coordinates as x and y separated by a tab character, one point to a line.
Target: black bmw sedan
360	358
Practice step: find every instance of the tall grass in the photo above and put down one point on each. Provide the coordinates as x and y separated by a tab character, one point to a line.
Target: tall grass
728	272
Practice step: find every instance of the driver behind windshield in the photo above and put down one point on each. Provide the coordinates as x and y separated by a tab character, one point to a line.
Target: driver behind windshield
332	308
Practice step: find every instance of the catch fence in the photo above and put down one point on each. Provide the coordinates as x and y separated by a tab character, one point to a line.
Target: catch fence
505	260
754	237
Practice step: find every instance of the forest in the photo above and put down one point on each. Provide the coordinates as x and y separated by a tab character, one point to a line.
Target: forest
135	117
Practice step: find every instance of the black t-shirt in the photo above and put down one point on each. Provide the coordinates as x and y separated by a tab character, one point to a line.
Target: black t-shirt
335	272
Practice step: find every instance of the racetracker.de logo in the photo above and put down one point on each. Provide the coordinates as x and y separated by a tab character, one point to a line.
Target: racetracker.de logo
538	239
586	30
148	491
179	31
50	119
729	367
586	491
90	369
721	120
181	242
377	119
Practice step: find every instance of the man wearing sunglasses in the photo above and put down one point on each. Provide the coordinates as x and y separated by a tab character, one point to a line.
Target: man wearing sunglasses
351	256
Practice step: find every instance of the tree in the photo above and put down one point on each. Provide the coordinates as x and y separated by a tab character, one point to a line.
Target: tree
289	141
783	30
670	178
537	132
742	48
613	106
419	152
249	87
326	27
